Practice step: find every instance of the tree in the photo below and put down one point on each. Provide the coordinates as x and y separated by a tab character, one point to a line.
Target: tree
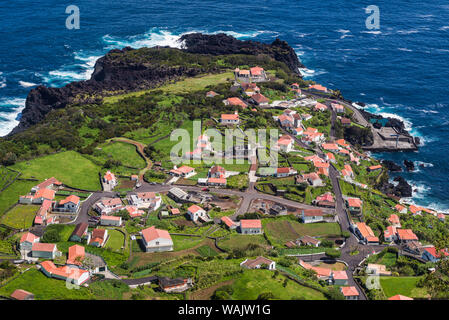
346	234
335	294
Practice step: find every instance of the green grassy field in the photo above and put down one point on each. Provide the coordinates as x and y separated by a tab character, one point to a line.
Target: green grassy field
45	288
20	217
11	195
124	152
183	243
254	282
206	251
6	176
116	240
402	285
70	167
241	241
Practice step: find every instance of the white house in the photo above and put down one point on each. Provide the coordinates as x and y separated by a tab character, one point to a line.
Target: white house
110	179
156	240
108	205
69	204
258	263
110	221
230	118
285	143
195	212
27	241
145	200
312	215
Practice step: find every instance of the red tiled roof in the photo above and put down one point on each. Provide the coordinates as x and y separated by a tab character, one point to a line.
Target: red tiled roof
152	233
259	98
28	237
394	219
313	213
194	208
48	183
340	275
75	252
354	202
45	193
399	297
227	221
47	247
349	291
71	198
406	234
217	180
256	71
234	101
251	223
113	218
230	116
20	294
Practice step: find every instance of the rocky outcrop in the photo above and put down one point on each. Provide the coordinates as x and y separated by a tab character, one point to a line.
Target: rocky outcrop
115	74
402	189
219	44
409	165
391	166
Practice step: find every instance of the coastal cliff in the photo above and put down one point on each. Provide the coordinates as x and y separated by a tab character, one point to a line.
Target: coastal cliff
126	70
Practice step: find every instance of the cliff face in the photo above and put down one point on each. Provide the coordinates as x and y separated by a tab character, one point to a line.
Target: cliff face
112	74
219	44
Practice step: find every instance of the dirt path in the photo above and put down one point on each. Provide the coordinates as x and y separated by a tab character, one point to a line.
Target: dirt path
205	294
140	150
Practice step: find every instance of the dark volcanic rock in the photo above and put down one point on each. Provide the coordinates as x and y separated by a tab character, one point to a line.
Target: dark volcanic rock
409	165
115	75
391	166
401	190
218	44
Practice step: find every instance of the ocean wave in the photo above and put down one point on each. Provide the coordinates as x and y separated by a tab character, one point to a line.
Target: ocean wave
2	80
423	164
419	190
408	31
444	28
405	49
27	84
308	73
372	32
8	119
407	123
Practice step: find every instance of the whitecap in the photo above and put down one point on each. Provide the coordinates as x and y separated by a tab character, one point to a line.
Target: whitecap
27	84
8	120
372	32
444	28
405	49
407	123
408	31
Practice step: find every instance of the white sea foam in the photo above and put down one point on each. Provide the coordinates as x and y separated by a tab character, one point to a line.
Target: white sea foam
408	31
405	49
307	73
2	80
419	190
407	123
8	120
372	32
27	84
444	28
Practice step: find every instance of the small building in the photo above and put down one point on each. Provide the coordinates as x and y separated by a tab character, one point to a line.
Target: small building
406	235
374	168
278	210
235	101
340	278
320	107
110	179
312	215
400	208
69	204
309	241
108	205
44	250
258	263
232	118
313	179
196	212
175	285
259	100
20	294
134	211
27	240
110	221
219	182
285	172
145	200
217	172
390	234
345	121
99	237
74	275
80	232
250	226
350	293
228	222
338	107
183	171
177	194
156	240
211	94
317	87
394	220
365	233
285	143
430	254
377	269
51	183
76	255
354	205
400	297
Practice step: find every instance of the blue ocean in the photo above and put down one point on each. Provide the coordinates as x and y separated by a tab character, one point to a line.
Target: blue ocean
399	70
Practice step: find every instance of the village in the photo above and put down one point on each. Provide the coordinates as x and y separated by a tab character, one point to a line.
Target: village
314	221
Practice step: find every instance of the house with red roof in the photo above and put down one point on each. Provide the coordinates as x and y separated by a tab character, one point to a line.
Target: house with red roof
218	182
406	235
20	294
330	146
71	274
27	240
250	88
98	237
365	233
374	168
183	172
320	107
286	120
325	200
195	212
228	222
211	94
312	215
251	226
232	118
400	297
110	180
285	172
313	179
235	101
106	220
416	209
69	204
76	255
390	234
350	293
317	87
354	205
257	74
51	183
340	278
330	157
338	107
345	121
324	274
394	220
44	250
108	205
259	100
258	263
156	240
285	143
147	200
134	211
431	254
38	197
